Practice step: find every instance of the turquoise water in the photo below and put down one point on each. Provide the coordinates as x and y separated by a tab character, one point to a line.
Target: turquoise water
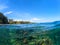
29	34
18	26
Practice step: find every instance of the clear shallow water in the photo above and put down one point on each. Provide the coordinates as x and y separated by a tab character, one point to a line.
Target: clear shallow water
16	33
18	26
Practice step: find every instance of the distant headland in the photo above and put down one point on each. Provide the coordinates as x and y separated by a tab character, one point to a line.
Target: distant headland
5	20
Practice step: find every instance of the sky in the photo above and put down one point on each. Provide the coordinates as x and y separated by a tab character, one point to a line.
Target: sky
31	10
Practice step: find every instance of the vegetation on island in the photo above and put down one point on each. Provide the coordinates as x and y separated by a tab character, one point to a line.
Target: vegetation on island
11	21
4	20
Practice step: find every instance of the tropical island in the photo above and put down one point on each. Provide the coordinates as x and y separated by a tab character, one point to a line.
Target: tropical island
5	20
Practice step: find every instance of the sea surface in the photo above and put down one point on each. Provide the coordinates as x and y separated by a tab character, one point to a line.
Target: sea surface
18	26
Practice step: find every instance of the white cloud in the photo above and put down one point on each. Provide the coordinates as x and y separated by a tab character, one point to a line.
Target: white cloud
35	20
9	12
17	19
39	20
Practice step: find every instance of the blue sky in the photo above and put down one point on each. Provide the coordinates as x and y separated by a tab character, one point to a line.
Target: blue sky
31	10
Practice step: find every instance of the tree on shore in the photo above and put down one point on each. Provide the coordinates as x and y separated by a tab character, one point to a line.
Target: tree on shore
3	19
